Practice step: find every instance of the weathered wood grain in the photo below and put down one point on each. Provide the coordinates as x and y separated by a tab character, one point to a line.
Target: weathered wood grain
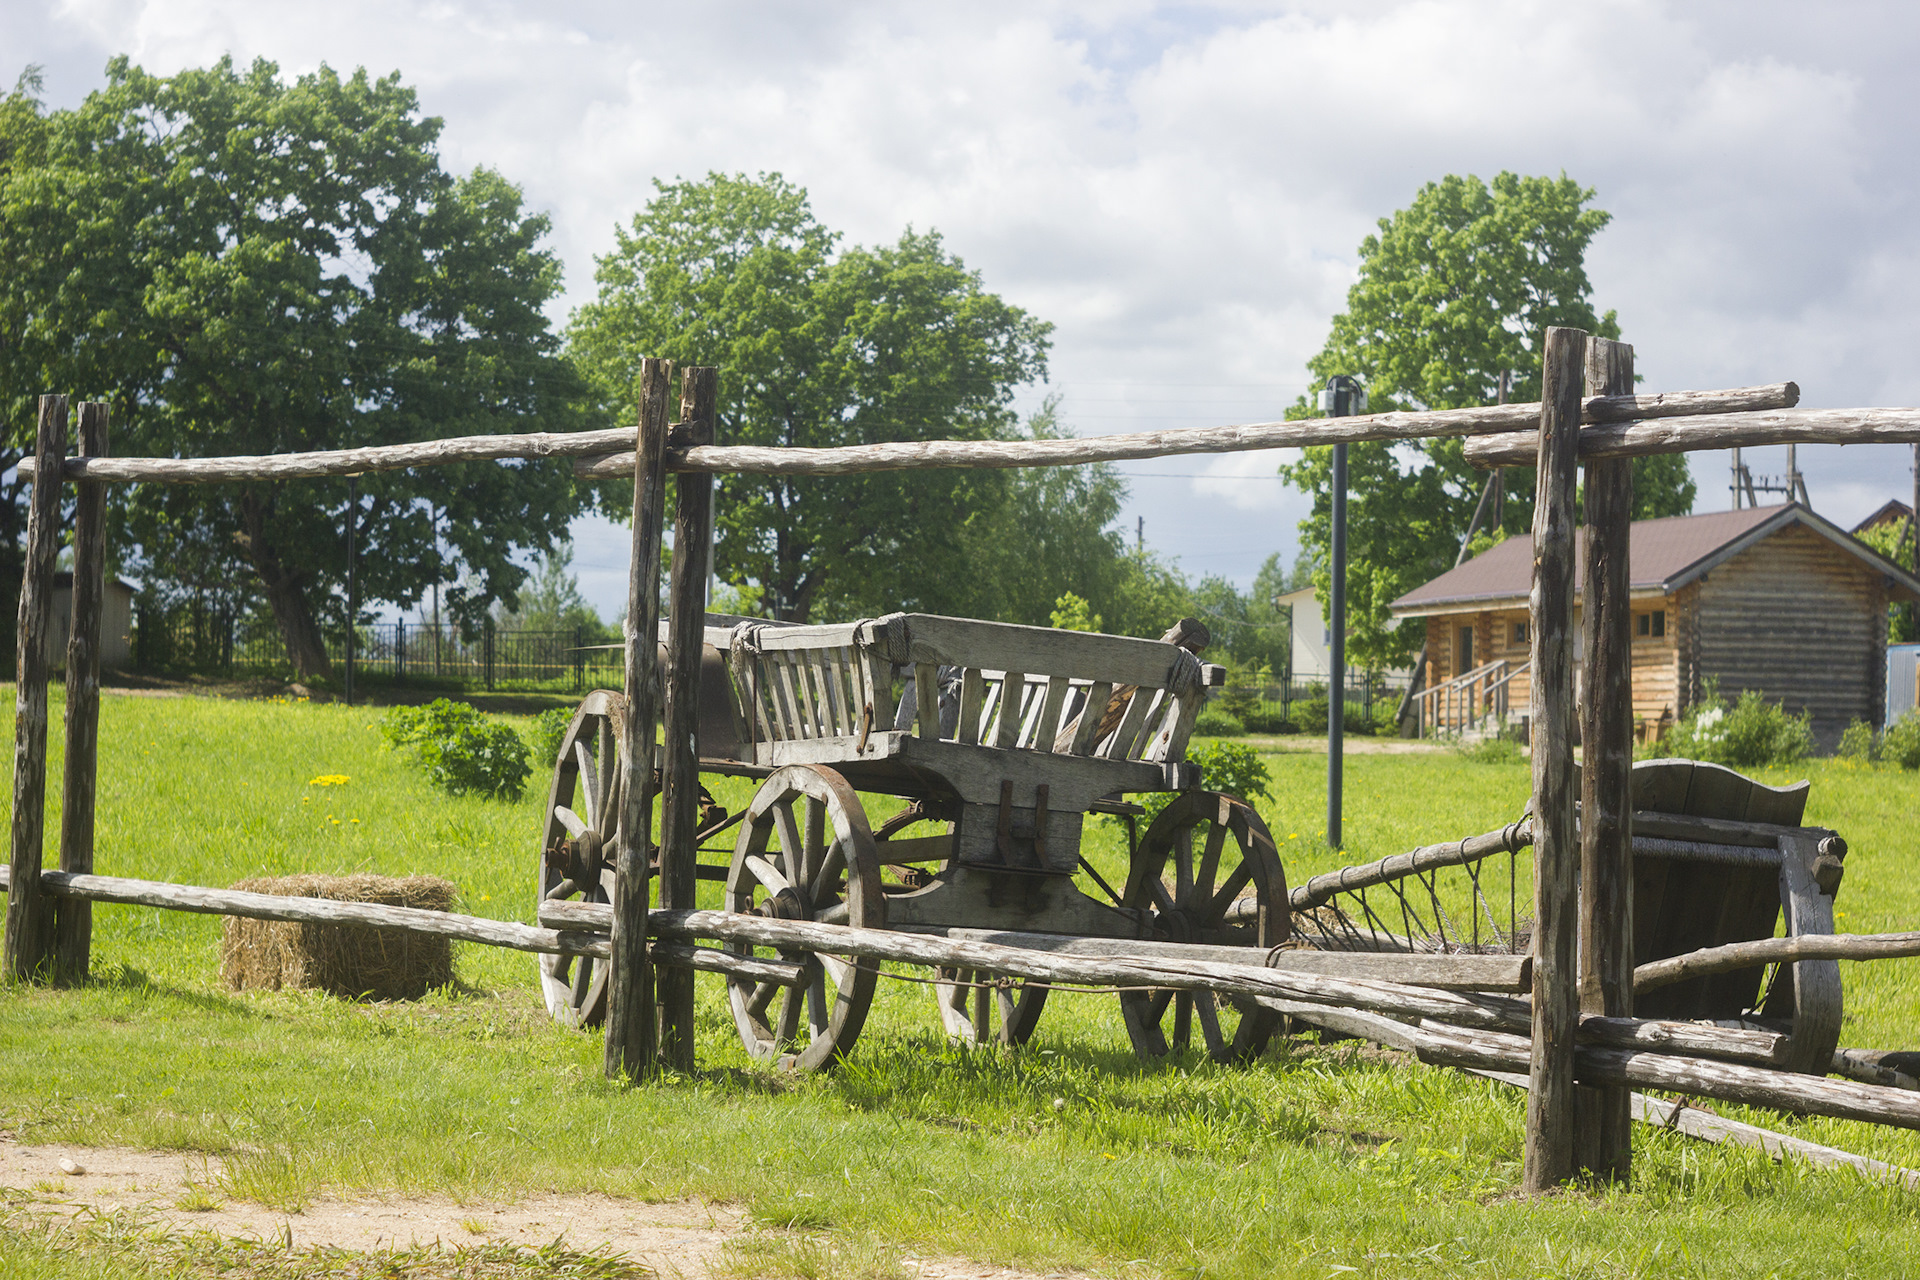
1549	1154
1604	1139
1747	955
73	917
24	948
680	765
904	455
632	1027
1321	889
1817	997
1714	431
267	906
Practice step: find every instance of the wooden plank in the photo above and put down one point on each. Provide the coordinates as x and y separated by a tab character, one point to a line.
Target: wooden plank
926	697
371	915
1722	431
1083	734
632	1045
680	765
834	688
1045	651
1047	728
73	917
25	945
1320	890
1013	687
973	696
1604	1138
1817	1003
900	455
1120	747
1549	1155
1152	726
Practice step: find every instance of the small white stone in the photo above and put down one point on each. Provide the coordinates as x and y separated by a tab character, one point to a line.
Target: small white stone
74	1167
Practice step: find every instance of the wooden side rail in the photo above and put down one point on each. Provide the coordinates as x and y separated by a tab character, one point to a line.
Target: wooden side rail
975	683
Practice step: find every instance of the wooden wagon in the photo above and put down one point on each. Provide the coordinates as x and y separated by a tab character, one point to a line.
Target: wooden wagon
1005	738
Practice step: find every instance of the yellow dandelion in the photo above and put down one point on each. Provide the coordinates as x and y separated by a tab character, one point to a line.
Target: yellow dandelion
353	819
329	780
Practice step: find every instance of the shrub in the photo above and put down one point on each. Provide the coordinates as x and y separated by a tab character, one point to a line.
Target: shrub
1310	716
1216	723
1751	732
460	750
1268	717
1857	743
1901	742
549	730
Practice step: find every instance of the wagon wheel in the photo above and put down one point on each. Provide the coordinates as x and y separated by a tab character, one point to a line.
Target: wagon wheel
805	852
1206	872
577	855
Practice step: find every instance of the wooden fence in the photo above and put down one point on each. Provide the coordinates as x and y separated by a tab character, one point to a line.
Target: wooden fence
1577	1023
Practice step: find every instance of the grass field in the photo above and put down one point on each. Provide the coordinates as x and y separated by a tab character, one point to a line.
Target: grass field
1319	1160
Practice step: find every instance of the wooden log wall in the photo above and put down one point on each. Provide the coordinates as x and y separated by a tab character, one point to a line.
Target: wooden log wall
632	1050
1549	1156
25	946
1604	1141
680	766
73	917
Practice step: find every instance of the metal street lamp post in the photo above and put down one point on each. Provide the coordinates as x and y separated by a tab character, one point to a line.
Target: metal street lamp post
1342	398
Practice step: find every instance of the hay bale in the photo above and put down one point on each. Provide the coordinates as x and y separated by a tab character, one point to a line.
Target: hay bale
344	959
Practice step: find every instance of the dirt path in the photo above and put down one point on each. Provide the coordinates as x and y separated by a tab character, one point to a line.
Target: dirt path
685	1238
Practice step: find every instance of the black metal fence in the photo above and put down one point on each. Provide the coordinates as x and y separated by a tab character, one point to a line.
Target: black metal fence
210	642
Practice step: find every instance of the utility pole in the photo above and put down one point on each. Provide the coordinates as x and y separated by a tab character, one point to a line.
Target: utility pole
1342	398
1140	535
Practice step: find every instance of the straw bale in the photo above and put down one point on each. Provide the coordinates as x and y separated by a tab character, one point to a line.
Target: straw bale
346	960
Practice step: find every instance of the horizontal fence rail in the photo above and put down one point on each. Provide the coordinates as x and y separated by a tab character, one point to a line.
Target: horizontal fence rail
606	457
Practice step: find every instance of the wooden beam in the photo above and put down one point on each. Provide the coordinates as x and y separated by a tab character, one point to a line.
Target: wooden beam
24	948
680	767
632	1016
903	455
1321	889
1604	1139
1713	431
73	917
1747	955
1549	1157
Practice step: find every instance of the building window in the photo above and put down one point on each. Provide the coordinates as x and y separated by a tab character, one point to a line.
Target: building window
1519	633
1651	625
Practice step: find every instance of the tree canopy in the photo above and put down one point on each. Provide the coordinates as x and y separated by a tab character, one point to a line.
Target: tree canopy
242	265
1454	292
821	346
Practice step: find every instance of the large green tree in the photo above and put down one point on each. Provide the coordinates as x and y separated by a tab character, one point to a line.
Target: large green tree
243	265
1455	292
821	346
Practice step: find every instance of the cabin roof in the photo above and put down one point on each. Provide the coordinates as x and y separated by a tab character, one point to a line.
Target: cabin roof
1665	555
1894	512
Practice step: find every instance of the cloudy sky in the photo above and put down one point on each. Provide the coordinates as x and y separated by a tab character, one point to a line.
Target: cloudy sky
1181	189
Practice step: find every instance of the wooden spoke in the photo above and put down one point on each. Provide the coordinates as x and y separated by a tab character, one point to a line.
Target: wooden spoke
582	812
828	838
969	1012
1236	853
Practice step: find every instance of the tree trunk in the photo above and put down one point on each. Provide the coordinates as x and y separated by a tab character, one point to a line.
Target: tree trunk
286	594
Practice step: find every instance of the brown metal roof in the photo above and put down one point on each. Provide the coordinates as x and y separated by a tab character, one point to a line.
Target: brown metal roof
1665	555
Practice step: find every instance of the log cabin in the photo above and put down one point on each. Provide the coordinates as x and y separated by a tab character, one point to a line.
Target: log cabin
1774	599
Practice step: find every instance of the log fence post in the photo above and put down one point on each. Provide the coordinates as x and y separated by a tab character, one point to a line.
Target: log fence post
73	917
1604	1145
680	769
633	1032
1556	856
28	937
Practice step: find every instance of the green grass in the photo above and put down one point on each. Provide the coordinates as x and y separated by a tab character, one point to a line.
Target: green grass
1070	1153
